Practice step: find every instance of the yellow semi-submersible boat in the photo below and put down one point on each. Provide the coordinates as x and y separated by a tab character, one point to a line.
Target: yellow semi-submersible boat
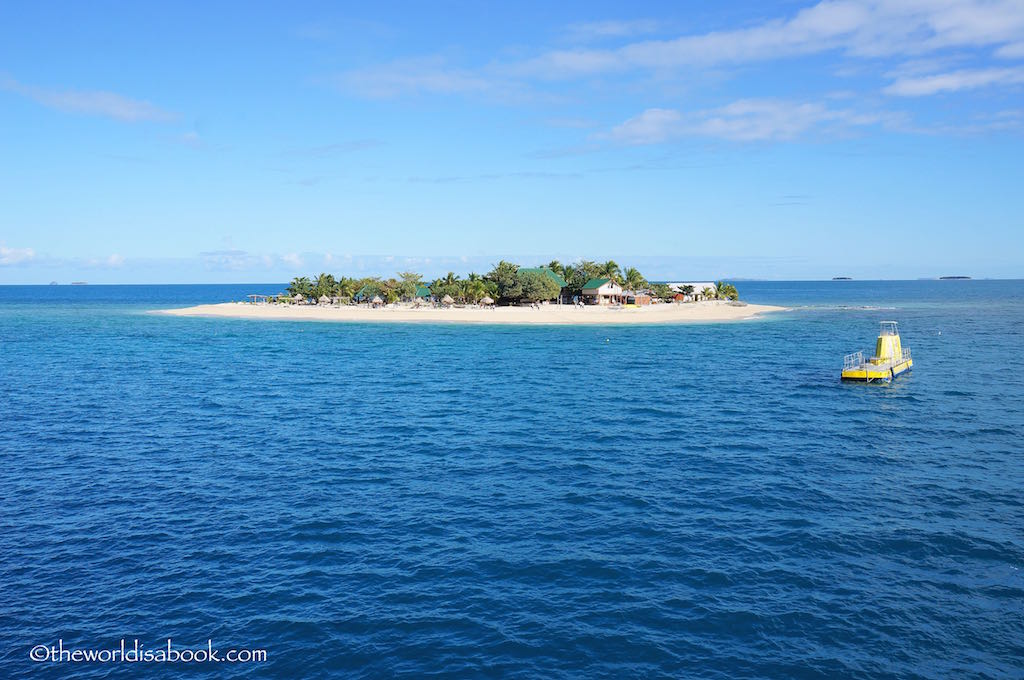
890	359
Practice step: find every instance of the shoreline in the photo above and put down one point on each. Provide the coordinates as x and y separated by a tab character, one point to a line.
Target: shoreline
562	315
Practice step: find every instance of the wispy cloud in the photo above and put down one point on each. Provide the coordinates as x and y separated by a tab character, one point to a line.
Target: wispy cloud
13	256
746	120
428	75
591	31
861	28
292	260
954	81
334	149
89	102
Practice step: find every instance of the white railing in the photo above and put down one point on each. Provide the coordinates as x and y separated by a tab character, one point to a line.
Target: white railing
906	355
854	360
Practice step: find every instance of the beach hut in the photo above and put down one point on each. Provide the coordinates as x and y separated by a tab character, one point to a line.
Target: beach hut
377	302
447	300
637	298
297	298
487	302
324	300
602	292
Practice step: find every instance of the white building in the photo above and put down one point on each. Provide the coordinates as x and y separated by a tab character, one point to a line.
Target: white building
698	289
602	292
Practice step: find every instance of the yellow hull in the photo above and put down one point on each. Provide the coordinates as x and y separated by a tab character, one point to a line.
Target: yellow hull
877	372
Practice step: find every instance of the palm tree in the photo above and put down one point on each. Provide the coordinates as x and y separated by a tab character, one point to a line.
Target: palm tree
324	285
726	291
473	289
300	285
634	279
345	288
709	293
611	270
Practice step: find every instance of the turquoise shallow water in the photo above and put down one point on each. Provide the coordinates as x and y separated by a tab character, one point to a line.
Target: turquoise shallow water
368	500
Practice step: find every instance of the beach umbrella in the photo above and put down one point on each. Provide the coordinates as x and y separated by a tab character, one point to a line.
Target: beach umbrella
487	301
324	300
447	299
297	297
377	300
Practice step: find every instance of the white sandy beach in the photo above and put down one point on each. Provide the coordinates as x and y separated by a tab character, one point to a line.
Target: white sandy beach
696	312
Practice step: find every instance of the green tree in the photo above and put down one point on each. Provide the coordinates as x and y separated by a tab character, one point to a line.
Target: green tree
368	288
474	288
408	283
324	285
536	286
709	293
506	283
634	280
579	274
300	285
449	284
726	291
345	288
610	270
663	292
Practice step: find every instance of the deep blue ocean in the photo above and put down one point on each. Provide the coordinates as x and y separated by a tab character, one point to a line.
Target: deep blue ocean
367	500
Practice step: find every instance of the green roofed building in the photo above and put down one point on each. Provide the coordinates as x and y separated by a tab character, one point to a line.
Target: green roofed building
602	292
554	276
422	292
546	272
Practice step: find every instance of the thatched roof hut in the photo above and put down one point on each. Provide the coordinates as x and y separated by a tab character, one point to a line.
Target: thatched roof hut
487	301
447	299
324	300
297	297
376	300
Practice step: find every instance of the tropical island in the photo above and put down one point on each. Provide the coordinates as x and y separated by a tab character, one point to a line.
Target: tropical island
583	292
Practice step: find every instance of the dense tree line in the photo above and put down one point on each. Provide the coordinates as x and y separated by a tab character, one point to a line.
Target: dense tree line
506	283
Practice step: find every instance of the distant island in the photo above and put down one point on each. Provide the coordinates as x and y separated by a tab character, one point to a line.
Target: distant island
954	278
841	278
582	292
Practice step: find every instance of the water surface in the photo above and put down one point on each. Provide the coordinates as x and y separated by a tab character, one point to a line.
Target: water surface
692	500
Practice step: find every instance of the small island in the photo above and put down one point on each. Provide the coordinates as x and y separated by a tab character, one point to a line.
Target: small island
954	278
584	292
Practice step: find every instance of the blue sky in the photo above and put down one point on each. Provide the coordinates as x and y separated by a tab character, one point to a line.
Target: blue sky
207	142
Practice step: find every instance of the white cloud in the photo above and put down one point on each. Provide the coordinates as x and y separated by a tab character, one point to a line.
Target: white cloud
954	81
12	256
429	75
115	260
650	127
746	120
292	259
1011	51
90	102
600	30
865	28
